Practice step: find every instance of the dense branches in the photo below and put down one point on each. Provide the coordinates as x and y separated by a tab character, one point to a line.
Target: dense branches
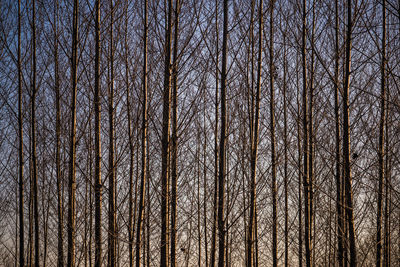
257	133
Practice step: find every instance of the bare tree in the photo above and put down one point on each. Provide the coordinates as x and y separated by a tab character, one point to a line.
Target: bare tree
306	157
111	164
346	141
165	142
97	111
21	146
72	152
381	149
251	235
33	139
272	73
143	181
174	137
60	210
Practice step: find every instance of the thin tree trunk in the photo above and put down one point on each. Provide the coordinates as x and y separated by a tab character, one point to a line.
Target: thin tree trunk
311	135
72	152
286	144
338	178
111	164
273	72
60	212
388	194
165	143
216	159
144	144
198	198
97	111
30	233
132	201
33	136
174	138
222	144
306	157
300	236
254	147
381	149
21	146
205	192
346	141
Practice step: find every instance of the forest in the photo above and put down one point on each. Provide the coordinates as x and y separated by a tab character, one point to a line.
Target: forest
200	133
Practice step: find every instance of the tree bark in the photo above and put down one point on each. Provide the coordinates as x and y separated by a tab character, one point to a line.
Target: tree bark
97	111
174	138
144	143
285	143
72	152
222	144
272	73
60	212
381	142
33	136
111	165
346	142
306	157
216	154
165	143
338	177
251	235
20	146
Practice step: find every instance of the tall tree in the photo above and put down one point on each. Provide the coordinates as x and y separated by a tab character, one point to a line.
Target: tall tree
60	209
311	134
381	149
132	185
143	181
174	137
72	152
165	142
33	138
20	146
111	165
346	140
216	154
338	171
306	157
97	111
272	73
222	142
251	235
286	144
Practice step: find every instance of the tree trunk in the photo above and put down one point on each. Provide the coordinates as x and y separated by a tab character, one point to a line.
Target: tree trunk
306	177
216	159
165	143
285	143
222	143
33	136
97	111
111	165
272	73
131	199
346	141
144	144
381	149
20	146
311	136
72	152
60	212
251	235
338	178
174	138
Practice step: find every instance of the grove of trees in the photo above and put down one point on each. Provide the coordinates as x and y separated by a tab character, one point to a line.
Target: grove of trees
199	133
